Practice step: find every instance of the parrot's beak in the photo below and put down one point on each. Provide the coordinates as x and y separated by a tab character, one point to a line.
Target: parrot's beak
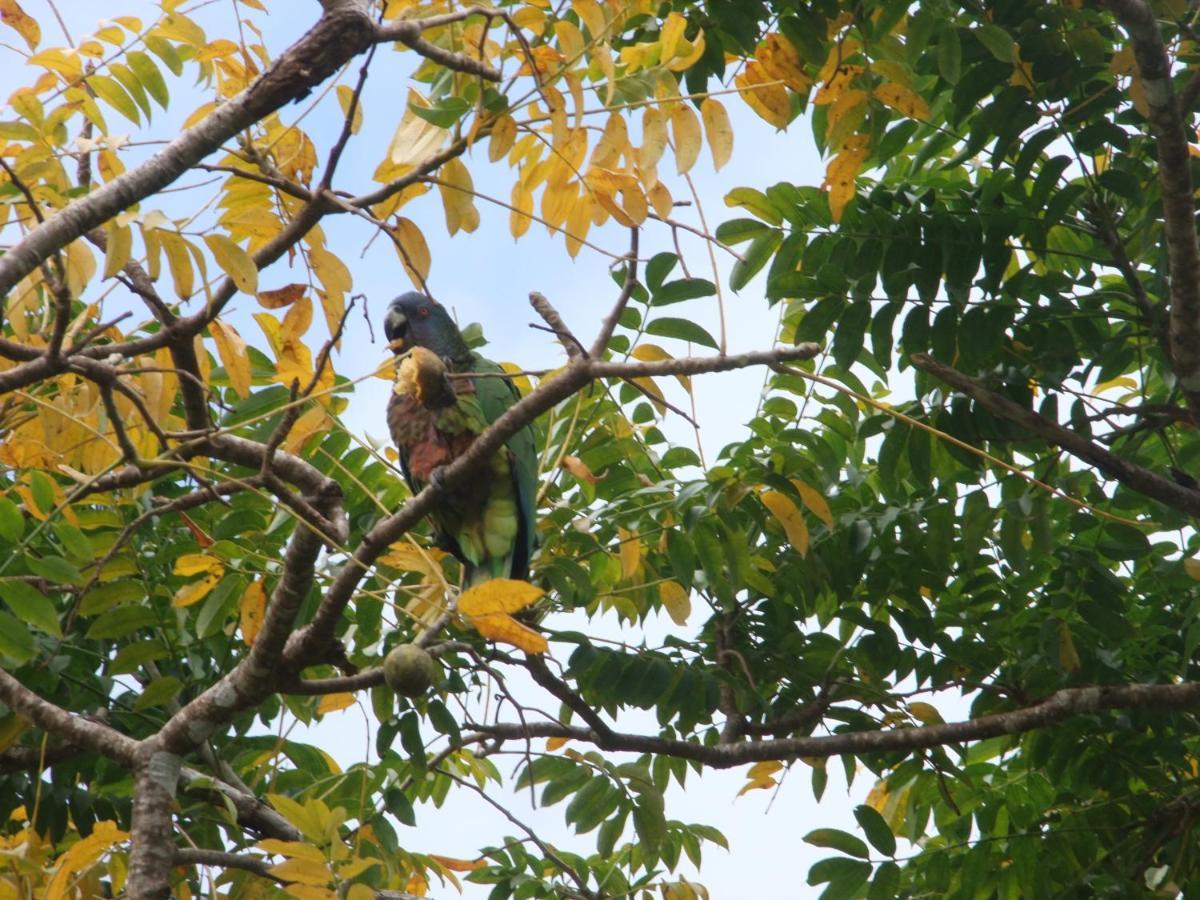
395	327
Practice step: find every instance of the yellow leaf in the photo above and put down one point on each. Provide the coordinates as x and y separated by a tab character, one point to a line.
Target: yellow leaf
579	222
629	551
415	139
195	591
814	501
458	197
579	469
844	116
764	95
499	595
302	871
195	563
458	865
345	95
504	134
781	62
570	39
1192	567
760	776
556	743
179	261
81	266
234	262
251	610
660	198
333	702
82	854
670	33
21	22
614	141
313	421
838	81
412	250
841	172
296	322
1068	655
925	713
903	100
654	138
719	131
685	128
280	297
789	516
676	600
331	271
503	627
232	350
592	16
687	56
521	216
291	849
120	244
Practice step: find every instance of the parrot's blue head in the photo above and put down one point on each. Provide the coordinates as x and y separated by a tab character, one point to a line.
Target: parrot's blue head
416	320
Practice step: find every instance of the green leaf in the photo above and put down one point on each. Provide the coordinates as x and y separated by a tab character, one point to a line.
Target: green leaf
840	870
444	113
876	829
55	569
660	266
949	55
105	596
108	90
158	692
152	80
43	491
756	202
12	522
998	41
121	621
75	542
834	839
32	606
682	289
736	231
649	822
755	257
682	329
886	883
16	643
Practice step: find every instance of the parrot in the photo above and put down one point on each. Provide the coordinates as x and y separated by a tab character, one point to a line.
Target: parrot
489	522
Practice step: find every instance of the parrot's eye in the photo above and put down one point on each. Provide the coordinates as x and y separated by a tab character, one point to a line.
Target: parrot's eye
423	311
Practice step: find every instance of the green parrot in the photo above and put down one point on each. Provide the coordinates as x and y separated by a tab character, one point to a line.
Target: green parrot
488	523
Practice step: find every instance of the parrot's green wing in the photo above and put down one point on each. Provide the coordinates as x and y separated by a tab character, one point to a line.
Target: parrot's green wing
495	396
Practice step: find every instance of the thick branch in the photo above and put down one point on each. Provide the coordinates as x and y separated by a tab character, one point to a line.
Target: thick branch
76	730
151	846
1153	485
341	33
1175	175
1058	706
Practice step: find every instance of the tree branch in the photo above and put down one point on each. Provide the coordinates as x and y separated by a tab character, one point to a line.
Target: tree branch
88	734
1058	706
1155	486
1175	176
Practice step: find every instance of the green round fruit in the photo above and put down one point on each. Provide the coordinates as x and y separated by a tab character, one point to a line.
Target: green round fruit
409	670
